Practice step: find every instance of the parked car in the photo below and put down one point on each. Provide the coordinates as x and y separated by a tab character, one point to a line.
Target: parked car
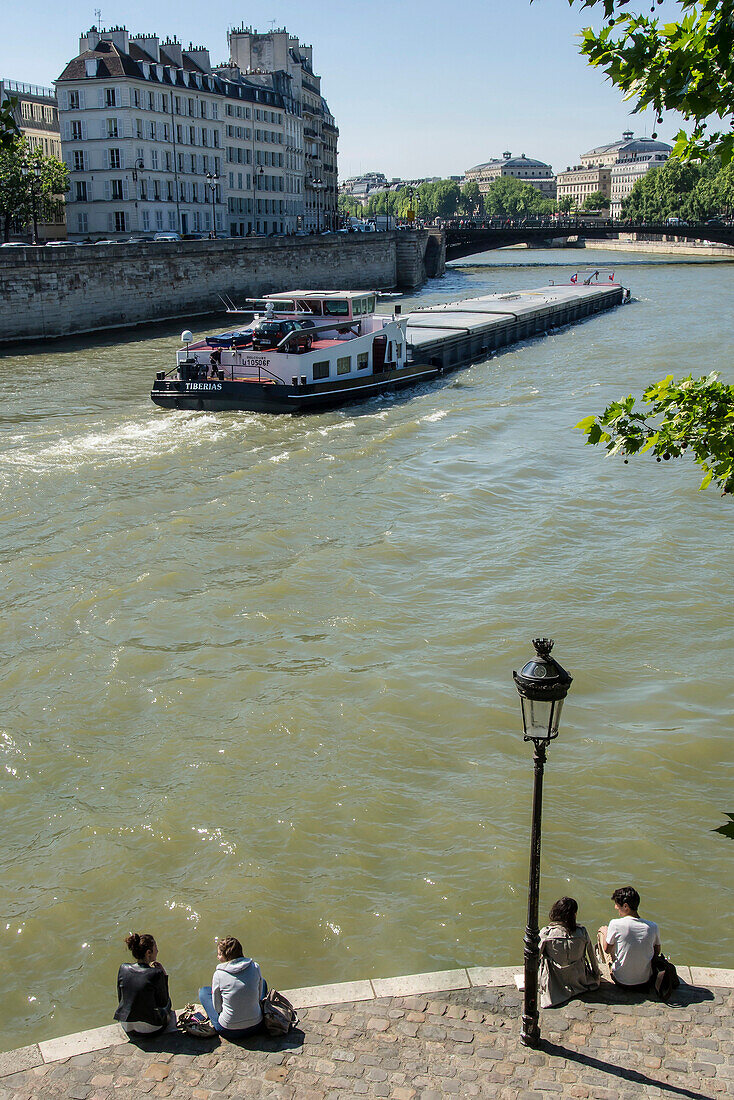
142	239
13	244
193	236
269	333
167	237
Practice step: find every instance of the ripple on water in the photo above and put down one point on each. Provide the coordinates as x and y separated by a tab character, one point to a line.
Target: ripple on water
262	664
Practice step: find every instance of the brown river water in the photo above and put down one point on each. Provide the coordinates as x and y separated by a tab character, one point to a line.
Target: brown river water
257	670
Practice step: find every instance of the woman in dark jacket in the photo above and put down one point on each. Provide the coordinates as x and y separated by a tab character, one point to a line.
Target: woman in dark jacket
142	988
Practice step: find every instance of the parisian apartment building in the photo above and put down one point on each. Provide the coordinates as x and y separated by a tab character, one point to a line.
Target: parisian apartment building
36	116
159	140
612	169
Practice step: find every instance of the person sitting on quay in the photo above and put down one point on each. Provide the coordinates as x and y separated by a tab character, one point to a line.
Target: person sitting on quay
568	965
232	1001
142	988
628	943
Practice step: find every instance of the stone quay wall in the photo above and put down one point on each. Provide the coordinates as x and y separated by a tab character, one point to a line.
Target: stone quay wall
49	292
668	246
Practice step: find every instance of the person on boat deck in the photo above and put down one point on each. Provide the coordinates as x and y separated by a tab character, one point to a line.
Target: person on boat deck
232	1001
144	1006
628	943
215	360
568	965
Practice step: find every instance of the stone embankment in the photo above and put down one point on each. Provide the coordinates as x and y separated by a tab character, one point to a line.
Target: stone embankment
671	246
423	1037
49	292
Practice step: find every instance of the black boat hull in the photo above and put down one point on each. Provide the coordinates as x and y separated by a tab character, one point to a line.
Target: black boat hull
272	397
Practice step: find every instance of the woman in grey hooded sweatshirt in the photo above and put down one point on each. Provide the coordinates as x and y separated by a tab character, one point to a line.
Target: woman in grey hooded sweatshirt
568	965
232	1002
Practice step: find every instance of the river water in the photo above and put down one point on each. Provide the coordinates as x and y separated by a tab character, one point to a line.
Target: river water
257	670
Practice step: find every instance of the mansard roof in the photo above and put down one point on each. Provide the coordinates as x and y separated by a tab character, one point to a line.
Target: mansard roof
114	64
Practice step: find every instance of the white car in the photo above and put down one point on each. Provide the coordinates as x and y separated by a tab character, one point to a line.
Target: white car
167	237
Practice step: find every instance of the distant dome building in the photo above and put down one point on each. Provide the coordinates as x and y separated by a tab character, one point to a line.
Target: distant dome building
535	172
601	169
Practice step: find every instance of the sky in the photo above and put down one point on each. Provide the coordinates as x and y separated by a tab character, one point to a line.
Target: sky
418	87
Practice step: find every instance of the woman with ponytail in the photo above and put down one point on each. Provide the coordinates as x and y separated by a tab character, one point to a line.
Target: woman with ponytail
142	988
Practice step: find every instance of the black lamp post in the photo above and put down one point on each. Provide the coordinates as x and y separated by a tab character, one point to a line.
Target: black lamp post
212	181
138	165
542	686
318	186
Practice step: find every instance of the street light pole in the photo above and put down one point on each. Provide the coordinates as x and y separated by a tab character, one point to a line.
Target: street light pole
542	685
138	164
212	181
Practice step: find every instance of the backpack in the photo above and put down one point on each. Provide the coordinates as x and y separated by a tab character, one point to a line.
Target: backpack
664	976
278	1012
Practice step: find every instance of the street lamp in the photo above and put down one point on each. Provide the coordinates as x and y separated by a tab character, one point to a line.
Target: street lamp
33	177
542	686
138	165
318	186
212	180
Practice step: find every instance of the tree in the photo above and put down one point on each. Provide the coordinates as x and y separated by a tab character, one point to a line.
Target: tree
683	66
9	130
17	168
597	200
471	198
565	203
693	416
508	195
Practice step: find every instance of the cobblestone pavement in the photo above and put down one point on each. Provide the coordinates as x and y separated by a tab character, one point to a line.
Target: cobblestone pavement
613	1045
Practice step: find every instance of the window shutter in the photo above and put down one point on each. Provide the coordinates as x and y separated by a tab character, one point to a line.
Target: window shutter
81	99
100	96
63	98
90	192
111	221
125	190
66	131
84	130
107	190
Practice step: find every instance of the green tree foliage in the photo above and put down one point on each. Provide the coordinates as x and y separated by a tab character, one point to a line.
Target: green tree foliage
17	182
9	131
682	189
685	66
597	200
565	203
694	416
511	196
472	201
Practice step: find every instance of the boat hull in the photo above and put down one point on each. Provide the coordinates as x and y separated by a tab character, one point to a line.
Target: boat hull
272	397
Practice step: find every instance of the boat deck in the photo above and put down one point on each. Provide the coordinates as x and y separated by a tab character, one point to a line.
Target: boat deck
494	320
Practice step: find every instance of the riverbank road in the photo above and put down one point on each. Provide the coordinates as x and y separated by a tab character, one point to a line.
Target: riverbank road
452	1034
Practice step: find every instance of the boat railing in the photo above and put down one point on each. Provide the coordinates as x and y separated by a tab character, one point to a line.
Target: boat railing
251	373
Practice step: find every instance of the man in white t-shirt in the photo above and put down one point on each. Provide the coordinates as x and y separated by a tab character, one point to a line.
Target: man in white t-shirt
628	943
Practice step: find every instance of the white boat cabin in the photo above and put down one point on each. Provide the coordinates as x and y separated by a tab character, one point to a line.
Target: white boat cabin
348	339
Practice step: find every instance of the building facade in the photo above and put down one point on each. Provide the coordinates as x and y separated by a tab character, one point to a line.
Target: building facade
635	160
535	172
37	118
159	140
315	134
601	170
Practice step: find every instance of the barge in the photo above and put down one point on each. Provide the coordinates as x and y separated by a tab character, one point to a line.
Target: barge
328	348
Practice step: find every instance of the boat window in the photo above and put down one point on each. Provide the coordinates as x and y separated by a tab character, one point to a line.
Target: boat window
344	364
303	306
388	353
398	351
363	360
338	307
283	306
321	370
371	302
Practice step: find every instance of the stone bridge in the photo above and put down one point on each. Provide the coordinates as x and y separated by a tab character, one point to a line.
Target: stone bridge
470	240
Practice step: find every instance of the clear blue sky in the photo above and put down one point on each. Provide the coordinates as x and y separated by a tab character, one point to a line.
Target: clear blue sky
418	88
